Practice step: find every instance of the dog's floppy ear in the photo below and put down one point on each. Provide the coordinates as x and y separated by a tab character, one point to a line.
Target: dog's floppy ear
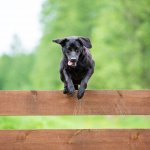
60	41
85	41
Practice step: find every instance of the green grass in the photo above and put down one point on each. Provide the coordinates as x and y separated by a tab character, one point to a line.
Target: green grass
74	122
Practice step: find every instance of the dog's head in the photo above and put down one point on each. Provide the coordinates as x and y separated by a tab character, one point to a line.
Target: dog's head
73	47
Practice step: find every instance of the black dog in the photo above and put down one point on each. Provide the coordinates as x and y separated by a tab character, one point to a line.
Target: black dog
77	65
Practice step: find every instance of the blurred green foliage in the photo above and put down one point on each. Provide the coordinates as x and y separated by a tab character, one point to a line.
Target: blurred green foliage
76	122
119	31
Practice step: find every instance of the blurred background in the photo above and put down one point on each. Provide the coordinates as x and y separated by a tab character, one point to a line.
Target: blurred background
120	35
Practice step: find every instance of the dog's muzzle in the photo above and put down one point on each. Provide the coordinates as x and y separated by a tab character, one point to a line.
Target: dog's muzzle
72	62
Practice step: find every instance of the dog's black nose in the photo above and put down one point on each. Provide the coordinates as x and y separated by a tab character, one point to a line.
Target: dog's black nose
73	59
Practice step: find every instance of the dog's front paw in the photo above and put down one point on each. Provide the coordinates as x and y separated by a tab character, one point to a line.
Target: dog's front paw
71	90
80	93
65	91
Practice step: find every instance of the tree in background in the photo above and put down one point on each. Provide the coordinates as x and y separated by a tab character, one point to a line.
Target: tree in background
122	38
16	67
119	31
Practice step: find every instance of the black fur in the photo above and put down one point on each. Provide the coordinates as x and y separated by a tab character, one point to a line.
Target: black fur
77	65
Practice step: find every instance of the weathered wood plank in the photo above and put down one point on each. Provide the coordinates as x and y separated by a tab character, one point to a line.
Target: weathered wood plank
109	139
96	102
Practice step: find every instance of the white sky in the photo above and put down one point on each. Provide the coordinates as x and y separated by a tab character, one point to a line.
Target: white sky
19	17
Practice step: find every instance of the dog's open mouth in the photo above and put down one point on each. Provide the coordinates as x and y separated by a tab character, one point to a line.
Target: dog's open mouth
72	64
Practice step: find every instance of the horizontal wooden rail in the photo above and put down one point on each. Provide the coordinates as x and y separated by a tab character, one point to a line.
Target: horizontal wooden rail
96	102
110	139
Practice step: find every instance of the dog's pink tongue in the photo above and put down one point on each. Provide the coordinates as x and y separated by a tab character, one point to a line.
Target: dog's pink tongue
70	63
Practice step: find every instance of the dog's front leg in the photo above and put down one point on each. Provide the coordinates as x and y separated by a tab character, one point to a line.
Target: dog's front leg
83	84
68	83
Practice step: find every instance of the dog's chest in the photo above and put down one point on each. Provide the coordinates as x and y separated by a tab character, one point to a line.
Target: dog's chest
78	72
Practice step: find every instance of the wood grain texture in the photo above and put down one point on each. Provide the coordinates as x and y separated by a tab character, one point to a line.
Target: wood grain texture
96	102
109	139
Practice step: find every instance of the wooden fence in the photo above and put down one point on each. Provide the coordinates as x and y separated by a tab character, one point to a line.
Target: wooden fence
100	102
